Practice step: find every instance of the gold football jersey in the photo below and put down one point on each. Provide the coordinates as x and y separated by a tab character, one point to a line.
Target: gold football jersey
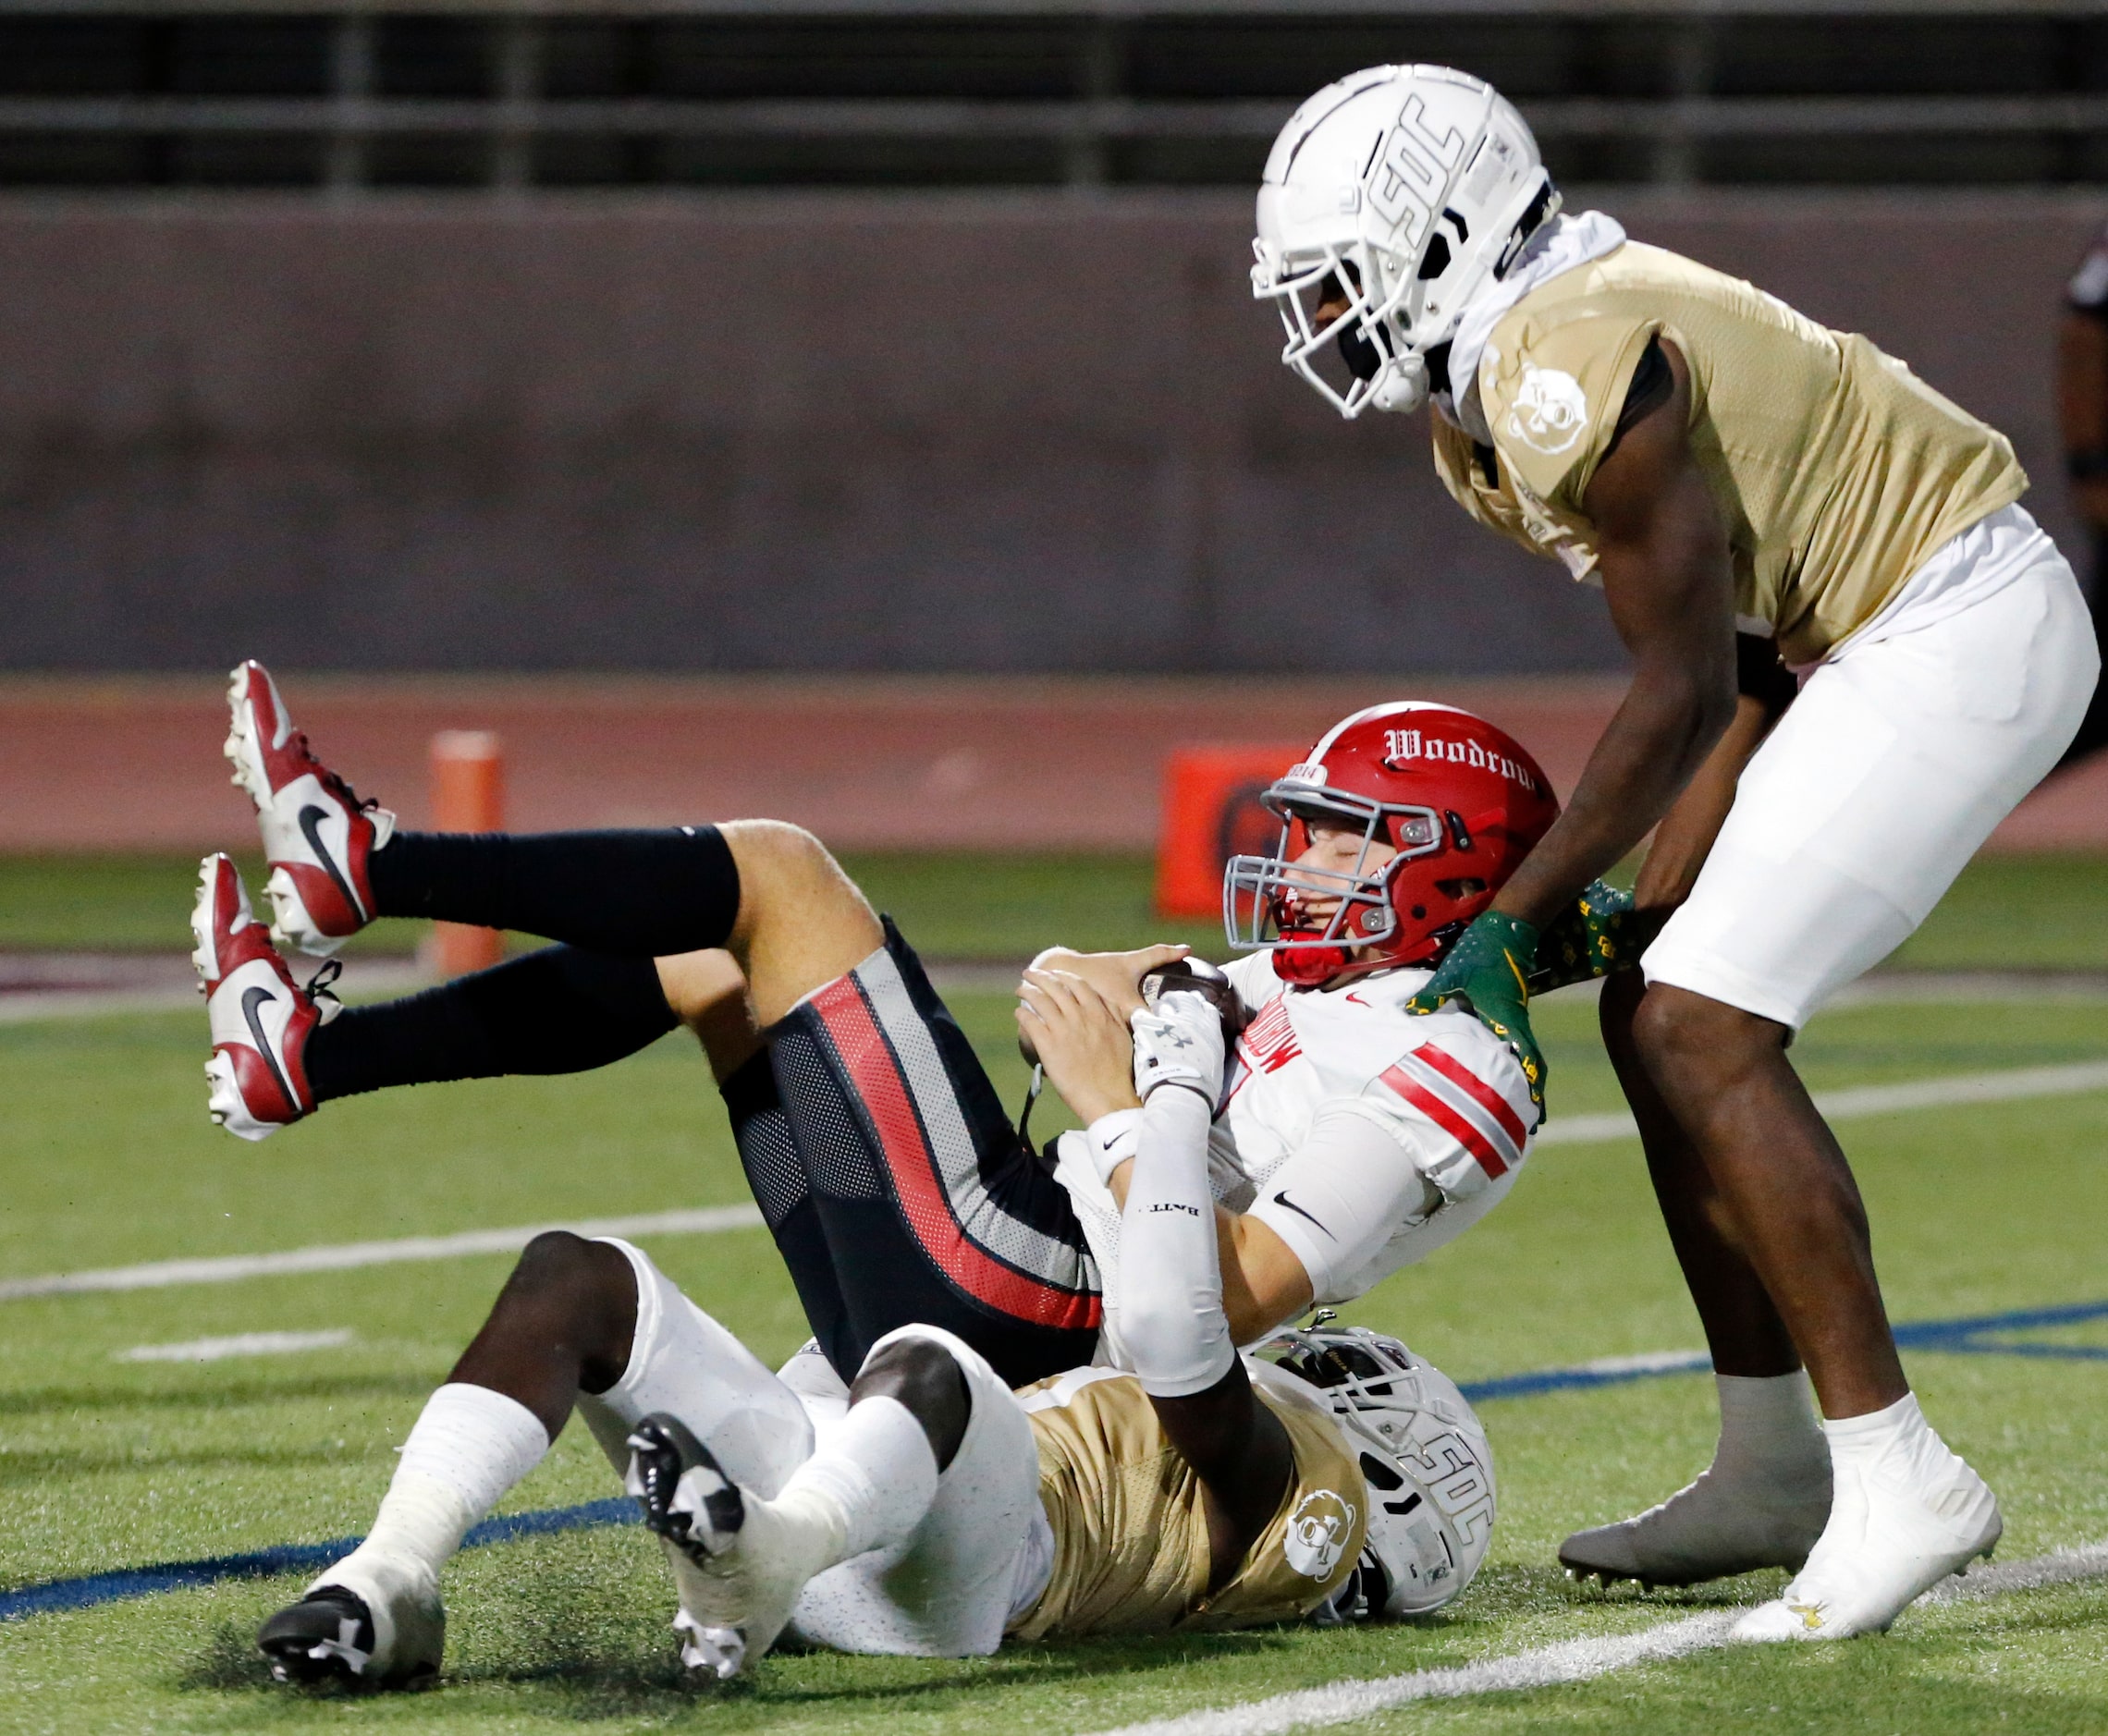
1836	470
1131	1536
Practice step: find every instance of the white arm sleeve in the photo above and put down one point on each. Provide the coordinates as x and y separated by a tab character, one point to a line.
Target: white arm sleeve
1172	1322
1350	1187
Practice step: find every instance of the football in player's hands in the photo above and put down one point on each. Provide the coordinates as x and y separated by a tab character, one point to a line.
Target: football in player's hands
1205	979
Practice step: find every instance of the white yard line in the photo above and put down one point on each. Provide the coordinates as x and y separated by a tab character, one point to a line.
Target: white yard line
1548	1666
238	1344
2006	1085
228	1270
1648	1362
1569	1660
24	1006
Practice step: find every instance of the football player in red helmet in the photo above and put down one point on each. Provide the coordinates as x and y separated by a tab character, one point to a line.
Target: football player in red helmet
1352	1133
1397	830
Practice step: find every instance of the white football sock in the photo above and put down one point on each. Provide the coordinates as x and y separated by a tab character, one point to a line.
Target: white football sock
1894	1452
1900	1427
873	1472
468	1445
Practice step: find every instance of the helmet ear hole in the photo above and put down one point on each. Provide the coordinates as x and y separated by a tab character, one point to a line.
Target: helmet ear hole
1435	260
1459	889
1383	1476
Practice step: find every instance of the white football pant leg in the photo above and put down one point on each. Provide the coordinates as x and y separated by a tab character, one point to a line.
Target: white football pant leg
683	1363
1892	766
947	1590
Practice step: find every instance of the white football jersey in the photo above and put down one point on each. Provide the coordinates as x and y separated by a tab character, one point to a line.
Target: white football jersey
1364	1135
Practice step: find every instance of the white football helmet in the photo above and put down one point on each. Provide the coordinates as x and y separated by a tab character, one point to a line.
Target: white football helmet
1404	189
1423	1456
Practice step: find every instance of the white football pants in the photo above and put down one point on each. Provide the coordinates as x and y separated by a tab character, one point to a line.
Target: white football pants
1907	746
948	1591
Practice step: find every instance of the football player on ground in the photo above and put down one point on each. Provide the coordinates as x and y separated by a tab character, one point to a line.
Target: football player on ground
1715	462
1350	1138
927	1511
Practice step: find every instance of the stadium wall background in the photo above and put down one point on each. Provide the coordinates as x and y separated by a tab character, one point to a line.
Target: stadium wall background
817	432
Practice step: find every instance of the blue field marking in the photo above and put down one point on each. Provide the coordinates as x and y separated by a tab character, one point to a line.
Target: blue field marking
292	1557
1572	1379
1968	1335
1974	1336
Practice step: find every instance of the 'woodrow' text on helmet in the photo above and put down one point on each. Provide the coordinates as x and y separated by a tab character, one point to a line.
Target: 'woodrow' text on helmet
1459	800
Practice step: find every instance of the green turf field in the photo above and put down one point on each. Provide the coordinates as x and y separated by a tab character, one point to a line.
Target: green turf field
107	1463
2029	912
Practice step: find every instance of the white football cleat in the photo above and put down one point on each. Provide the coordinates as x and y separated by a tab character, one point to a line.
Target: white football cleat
372	1620
1901	1520
738	1561
260	1019
317	833
1710	1528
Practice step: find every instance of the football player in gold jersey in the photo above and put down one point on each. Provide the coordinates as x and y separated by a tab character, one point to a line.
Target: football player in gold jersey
1720	466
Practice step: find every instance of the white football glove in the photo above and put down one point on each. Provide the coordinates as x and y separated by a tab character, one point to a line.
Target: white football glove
1179	1041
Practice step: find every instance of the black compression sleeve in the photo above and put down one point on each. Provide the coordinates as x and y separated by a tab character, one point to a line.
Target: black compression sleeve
559	1010
642	893
1761	674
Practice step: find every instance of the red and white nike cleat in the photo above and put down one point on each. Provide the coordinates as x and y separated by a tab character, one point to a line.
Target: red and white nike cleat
261	1019
317	834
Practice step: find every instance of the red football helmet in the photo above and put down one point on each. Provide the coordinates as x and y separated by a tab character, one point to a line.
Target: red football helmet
1459	800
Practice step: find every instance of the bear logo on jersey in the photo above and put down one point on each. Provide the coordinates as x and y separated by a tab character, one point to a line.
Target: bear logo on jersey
1550	410
1317	1532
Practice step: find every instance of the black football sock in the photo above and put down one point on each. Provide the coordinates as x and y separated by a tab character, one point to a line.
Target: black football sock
559	1010
642	893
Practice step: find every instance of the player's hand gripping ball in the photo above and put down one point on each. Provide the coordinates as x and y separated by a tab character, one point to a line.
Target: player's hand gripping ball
1190	1016
1205	979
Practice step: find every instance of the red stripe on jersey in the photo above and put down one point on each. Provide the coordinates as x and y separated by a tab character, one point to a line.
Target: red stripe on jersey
1445	1116
874	1075
1457	1073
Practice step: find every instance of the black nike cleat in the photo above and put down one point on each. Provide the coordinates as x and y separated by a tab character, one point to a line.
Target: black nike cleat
328	1637
664	1456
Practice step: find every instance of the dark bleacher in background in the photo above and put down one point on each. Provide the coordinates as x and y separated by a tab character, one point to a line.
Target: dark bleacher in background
1026	92
885	335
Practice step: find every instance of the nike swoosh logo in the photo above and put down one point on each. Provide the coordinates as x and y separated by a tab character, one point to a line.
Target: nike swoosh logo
252	998
1280	1199
311	818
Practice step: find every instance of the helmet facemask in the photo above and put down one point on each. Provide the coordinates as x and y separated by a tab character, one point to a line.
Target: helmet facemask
1360	357
1267	900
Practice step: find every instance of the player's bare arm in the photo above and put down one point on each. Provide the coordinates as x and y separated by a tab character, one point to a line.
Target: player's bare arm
1116	975
1663	555
1239	1450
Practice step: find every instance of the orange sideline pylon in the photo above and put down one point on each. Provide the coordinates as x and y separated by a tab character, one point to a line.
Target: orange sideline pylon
468	795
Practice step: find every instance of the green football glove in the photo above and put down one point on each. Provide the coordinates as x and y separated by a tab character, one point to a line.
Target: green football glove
1488	971
1599	933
